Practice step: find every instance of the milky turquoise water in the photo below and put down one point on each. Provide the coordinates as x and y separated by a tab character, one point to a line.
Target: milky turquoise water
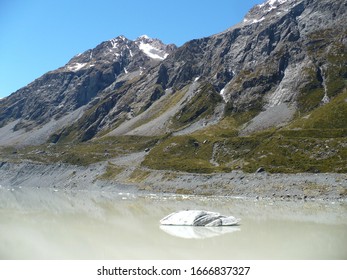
56	224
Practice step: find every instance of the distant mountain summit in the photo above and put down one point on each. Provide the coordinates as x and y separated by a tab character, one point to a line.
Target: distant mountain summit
85	76
269	8
123	51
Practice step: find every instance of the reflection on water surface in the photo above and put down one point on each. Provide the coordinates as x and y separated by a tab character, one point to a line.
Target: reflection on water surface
191	232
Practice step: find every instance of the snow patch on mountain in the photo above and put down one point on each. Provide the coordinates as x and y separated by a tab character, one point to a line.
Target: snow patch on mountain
251	21
152	52
222	93
114	43
260	12
144	37
76	66
151	47
272	4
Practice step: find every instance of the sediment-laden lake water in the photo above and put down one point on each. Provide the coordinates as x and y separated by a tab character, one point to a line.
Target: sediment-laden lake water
38	223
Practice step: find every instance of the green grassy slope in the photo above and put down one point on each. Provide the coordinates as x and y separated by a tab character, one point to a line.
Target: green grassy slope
315	142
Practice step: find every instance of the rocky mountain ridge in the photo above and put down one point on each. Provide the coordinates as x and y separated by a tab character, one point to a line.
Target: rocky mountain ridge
68	88
285	61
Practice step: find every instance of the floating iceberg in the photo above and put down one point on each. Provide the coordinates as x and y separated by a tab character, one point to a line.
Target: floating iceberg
199	218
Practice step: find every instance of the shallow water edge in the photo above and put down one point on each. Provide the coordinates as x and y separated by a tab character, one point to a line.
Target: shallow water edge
263	185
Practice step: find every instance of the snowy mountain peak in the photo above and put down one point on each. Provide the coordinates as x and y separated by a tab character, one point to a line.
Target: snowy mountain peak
272	4
143	37
260	12
118	50
153	48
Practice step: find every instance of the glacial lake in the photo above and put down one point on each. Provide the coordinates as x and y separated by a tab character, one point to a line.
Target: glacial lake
113	224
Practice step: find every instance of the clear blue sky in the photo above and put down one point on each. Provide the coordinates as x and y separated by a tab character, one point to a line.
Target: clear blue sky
37	36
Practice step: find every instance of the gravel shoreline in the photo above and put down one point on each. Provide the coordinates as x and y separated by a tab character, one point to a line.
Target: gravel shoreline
303	186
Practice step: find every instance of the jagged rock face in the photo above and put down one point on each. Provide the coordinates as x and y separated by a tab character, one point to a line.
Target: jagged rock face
254	57
282	50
